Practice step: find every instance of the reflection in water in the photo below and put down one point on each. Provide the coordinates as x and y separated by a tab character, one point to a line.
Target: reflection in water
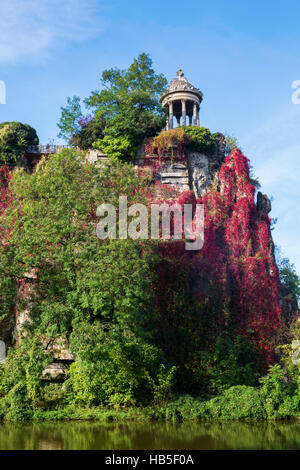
135	435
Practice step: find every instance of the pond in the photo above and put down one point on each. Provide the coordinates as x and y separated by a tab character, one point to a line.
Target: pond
137	436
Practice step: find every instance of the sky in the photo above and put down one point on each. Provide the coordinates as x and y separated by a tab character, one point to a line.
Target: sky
243	55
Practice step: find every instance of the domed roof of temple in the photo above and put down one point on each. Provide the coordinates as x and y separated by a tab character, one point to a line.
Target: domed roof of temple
179	84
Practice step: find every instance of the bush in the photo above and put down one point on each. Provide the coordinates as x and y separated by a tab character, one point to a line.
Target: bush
202	140
21	379
116	147
236	403
115	367
281	397
239	402
15	137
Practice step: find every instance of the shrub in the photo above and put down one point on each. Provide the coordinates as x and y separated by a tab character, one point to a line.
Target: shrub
166	141
238	402
116	147
115	367
15	137
201	139
281	397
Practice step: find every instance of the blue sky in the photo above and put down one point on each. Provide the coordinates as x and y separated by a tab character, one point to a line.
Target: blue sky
243	55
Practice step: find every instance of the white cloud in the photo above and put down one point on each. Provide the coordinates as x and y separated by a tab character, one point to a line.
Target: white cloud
30	28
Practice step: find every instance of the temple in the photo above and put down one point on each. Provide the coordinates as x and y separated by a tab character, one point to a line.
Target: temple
182	100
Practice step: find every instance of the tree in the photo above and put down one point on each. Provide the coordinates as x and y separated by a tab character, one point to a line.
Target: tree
289	278
15	137
90	131
231	144
70	117
80	131
128	104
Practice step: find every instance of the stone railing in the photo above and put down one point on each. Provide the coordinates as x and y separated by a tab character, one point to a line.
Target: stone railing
48	148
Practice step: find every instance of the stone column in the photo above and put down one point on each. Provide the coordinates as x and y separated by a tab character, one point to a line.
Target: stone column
171	115
198	119
183	112
195	113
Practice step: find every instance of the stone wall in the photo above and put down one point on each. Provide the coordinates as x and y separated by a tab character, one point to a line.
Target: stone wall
196	173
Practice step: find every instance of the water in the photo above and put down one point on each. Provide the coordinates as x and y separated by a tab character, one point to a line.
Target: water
137	436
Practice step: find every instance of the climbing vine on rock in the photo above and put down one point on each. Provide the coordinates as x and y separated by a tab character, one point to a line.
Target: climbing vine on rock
231	285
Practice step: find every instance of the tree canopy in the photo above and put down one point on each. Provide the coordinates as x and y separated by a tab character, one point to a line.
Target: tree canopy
128	104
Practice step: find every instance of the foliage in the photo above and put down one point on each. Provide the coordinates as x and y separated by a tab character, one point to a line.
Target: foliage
69	123
54	235
201	139
145	319
124	112
282	399
289	280
231	286
290	351
115	367
274	399
129	101
231	143
15	137
7	283
89	132
79	130
116	147
21	378
234	363
173	141
80	279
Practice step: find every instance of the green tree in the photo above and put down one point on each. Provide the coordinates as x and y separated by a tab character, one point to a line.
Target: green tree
126	108
231	143
15	137
70	116
290	280
129	100
88	133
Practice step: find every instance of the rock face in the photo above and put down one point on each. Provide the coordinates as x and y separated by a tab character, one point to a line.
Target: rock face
55	371
196	173
60	350
263	203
